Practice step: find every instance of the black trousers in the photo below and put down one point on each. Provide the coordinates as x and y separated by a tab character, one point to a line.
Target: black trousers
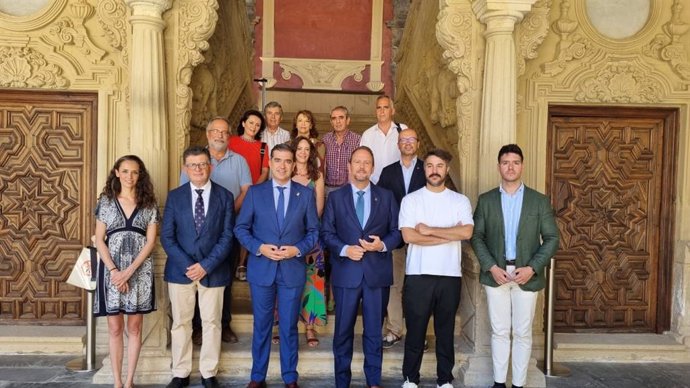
424	295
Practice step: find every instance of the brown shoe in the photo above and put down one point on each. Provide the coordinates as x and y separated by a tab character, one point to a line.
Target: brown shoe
292	385
228	335
197	337
256	384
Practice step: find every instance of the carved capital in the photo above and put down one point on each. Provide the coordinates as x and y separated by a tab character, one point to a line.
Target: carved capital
149	8
26	68
500	16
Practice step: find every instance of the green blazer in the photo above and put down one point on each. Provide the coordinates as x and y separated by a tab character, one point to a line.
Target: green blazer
537	239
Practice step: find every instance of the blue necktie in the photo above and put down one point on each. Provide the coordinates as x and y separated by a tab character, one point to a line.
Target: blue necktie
199	216
359	207
280	209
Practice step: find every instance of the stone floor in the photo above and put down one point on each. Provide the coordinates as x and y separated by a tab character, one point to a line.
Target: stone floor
28	371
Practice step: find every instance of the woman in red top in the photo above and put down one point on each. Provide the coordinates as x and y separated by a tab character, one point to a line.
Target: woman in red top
255	152
249	145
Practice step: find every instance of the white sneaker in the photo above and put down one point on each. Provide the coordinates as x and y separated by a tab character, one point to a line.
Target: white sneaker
446	385
408	384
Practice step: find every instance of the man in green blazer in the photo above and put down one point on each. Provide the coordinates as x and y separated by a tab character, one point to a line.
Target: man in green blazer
515	236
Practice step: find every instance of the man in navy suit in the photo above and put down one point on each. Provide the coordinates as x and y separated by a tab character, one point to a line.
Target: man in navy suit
197	237
360	228
278	225
401	177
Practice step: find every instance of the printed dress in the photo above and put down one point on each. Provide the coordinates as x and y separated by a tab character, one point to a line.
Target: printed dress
314	298
125	238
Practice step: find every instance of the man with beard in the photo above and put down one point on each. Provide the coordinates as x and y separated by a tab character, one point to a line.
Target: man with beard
433	220
512	268
360	228
231	171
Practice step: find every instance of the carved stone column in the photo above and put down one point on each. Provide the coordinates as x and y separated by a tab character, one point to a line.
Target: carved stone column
149	140
148	113
498	119
497	128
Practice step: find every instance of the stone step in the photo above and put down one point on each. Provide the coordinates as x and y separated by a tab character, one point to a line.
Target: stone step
601	347
236	361
20	339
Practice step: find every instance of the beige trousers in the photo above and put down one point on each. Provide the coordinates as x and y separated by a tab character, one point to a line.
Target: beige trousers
182	300
394	321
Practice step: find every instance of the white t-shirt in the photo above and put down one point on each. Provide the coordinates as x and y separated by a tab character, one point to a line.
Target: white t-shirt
444	209
384	147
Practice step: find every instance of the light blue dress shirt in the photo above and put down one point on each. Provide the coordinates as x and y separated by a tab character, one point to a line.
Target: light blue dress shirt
511	204
276	193
407	173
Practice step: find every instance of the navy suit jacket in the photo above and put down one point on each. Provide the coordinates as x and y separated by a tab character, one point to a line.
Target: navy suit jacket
257	224
211	247
341	227
392	179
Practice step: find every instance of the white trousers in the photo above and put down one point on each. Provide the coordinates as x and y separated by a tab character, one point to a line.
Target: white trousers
510	305
182	301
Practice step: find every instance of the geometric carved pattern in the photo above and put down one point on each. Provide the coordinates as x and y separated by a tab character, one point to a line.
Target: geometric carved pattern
606	182
46	197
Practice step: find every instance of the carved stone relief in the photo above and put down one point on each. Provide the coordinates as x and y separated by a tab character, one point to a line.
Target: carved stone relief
196	22
27	68
530	33
668	47
621	82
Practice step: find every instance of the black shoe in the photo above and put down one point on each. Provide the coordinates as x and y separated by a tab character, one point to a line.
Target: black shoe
516	386
210	382
426	346
228	335
498	385
178	382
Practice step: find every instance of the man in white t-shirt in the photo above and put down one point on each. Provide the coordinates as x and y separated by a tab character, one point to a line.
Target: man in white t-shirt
382	137
433	220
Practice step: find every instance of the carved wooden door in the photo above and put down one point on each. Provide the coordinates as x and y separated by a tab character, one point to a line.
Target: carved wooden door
47	173
611	179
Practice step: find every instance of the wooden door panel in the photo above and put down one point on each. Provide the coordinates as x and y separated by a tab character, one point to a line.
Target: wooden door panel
606	179
47	148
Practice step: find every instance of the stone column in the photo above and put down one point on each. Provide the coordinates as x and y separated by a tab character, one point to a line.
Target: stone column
148	129
497	128
498	120
148	113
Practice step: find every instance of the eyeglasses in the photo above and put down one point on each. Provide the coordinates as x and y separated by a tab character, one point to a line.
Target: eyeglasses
407	140
197	166
219	132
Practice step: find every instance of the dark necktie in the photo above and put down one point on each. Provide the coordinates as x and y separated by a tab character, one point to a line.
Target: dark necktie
359	207
280	209
199	216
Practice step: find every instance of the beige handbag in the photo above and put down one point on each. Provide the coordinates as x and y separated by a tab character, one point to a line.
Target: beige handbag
84	272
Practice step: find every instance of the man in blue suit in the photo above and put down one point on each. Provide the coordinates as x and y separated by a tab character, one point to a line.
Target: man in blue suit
278	225
360	228
197	237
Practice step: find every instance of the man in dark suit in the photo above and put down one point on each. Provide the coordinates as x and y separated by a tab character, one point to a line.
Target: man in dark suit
360	228
512	268
401	177
277	225
197	236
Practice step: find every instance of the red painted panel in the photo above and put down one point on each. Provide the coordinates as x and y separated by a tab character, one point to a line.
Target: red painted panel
336	29
318	29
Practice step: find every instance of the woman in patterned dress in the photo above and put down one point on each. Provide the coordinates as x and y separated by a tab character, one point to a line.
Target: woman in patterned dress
126	222
306	172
